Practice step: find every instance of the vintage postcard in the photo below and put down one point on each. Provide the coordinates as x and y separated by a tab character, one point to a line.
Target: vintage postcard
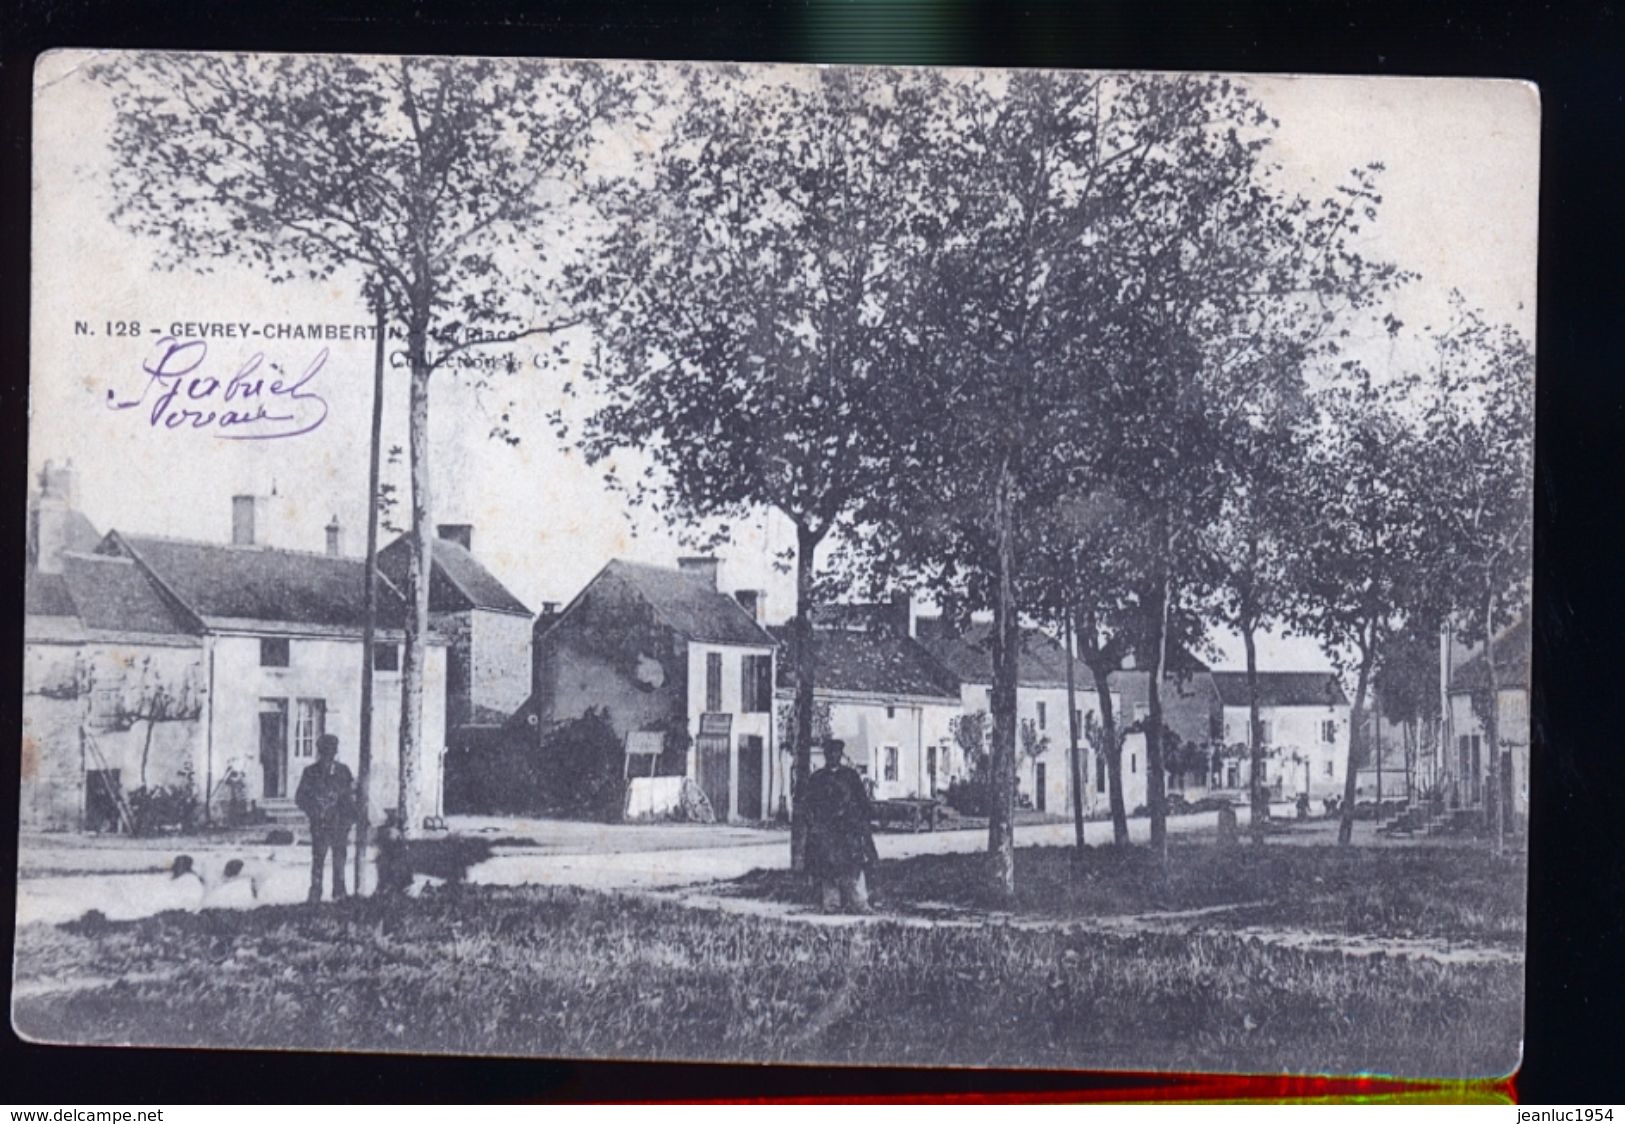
879	566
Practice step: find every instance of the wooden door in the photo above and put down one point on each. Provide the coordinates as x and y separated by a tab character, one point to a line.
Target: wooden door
712	752
750	778
274	747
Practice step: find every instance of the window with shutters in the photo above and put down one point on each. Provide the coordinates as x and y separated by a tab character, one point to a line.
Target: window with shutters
756	684
891	763
713	681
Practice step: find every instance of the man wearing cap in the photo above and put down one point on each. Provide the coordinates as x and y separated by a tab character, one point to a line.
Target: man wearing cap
840	847
327	795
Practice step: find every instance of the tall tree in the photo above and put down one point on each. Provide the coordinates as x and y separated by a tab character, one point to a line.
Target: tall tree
438	180
1406	688
1029	177
1084	564
756	282
1480	426
1251	541
1236	295
1364	568
1065	202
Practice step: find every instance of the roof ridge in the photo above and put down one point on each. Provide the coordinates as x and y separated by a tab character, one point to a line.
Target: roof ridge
91	556
696	583
245	548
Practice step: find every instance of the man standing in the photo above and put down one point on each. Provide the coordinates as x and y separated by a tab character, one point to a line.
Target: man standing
327	795
839	845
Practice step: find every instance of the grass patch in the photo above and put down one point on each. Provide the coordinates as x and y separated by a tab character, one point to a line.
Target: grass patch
1442	892
563	972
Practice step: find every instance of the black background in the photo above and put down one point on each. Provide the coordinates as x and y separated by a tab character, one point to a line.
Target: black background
1575	1051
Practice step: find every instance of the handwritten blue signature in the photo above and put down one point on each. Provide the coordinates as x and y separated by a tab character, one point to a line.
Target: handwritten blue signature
249	406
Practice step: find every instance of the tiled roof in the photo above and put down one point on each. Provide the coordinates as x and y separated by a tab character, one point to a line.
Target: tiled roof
113	595
1178	661
1511	660
877	663
102	594
262	583
688	604
858	616
968	654
460	581
47	595
1282	688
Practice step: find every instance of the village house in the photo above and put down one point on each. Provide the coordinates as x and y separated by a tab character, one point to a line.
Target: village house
113	681
879	691
1303	724
1043	772
160	661
666	655
1191	713
1469	766
487	631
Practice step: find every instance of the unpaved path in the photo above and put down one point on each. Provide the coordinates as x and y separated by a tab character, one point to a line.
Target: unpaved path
124	880
1181	923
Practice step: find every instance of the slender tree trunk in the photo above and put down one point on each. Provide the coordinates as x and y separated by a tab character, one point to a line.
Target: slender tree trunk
1368	652
363	770
419	566
1072	727
1492	722
802	708
1001	841
1113	749
1255	739
1376	743
146	749
1155	778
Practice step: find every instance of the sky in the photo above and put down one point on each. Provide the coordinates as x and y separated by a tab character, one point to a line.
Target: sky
1459	209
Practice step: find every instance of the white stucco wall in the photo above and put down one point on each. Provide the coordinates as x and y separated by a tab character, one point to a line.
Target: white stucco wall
1056	728
500	668
1296	730
117	675
1512	727
329	669
743	725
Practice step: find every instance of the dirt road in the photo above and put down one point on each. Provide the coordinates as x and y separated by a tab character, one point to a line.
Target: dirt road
124	878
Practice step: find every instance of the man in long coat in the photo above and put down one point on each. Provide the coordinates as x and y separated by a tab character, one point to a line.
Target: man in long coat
840	847
327	795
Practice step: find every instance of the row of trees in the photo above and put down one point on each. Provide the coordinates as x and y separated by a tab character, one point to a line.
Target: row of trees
1061	347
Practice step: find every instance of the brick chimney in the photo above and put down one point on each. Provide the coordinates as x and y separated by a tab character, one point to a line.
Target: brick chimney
460	533
58	496
545	618
704	566
247	517
753	601
334	538
905	617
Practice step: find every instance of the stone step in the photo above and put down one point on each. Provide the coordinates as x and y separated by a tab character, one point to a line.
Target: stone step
282	811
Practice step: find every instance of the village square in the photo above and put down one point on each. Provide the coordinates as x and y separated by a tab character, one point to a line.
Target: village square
899	567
